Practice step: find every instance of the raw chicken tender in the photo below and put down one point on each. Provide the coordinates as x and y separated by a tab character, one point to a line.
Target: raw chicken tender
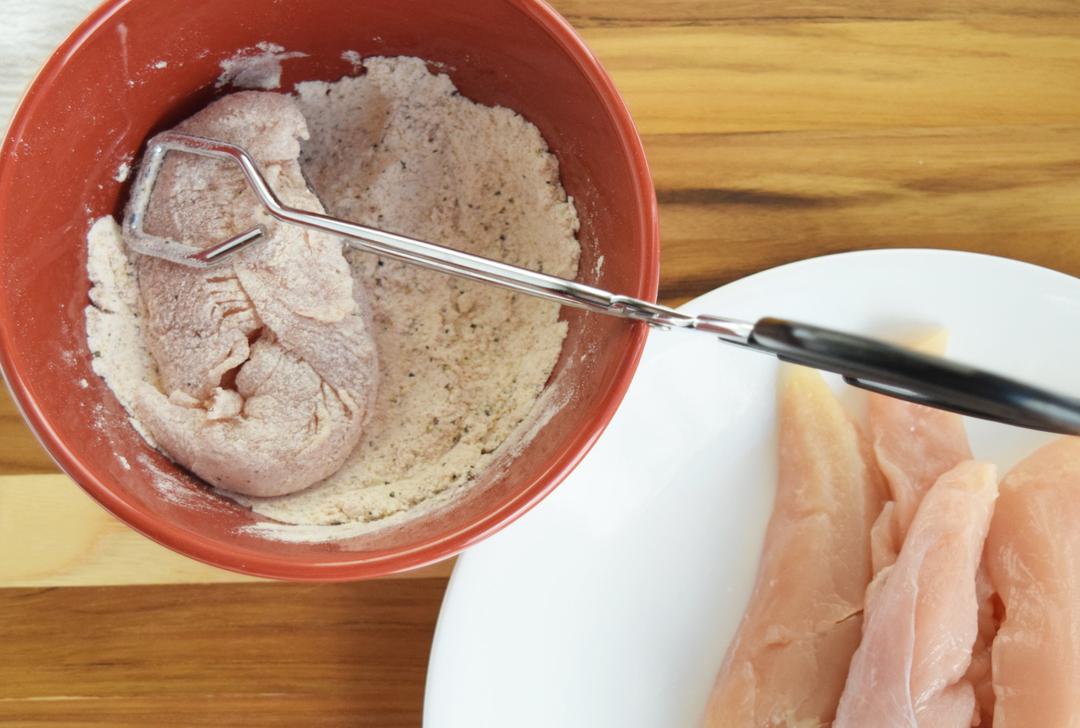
914	446
922	620
787	664
267	364
1033	553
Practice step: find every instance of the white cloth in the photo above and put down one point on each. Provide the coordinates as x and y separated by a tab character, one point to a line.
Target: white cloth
30	31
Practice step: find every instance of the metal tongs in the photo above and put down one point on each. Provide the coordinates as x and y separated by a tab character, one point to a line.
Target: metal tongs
863	362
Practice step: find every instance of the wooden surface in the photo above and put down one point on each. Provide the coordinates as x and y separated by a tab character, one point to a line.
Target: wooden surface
53	535
775	130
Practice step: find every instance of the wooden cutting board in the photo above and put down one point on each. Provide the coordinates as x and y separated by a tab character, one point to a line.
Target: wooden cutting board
775	131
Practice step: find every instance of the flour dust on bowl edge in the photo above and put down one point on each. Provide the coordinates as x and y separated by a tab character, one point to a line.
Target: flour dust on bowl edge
513	53
613	602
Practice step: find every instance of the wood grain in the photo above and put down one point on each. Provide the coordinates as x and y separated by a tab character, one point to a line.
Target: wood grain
797	75
53	534
20	451
738	203
585	14
221	655
775	131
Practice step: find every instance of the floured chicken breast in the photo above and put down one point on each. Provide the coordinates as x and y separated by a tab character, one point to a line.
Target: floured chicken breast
267	364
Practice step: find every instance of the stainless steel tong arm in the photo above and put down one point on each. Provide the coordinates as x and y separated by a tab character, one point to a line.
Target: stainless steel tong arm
390	245
863	362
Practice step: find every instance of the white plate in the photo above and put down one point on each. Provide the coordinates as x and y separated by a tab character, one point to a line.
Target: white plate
612	602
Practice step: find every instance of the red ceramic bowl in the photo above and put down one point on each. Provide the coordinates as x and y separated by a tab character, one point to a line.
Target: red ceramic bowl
105	91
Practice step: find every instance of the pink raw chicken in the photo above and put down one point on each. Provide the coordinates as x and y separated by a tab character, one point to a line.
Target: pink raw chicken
1033	554
915	446
787	663
922	620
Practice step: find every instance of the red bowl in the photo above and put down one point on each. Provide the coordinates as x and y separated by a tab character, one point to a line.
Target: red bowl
105	90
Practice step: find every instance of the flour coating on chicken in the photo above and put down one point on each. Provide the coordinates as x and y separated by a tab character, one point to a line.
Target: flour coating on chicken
267	364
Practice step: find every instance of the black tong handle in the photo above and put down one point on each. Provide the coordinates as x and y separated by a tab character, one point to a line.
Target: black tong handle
916	377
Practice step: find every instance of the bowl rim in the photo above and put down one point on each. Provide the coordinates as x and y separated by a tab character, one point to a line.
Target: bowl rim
336	566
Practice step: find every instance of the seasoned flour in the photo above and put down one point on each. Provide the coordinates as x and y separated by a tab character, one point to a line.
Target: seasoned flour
461	364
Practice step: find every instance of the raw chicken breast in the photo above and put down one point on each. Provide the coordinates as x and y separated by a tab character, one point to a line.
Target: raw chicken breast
915	446
979	673
1033	554
267	365
787	663
921	621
